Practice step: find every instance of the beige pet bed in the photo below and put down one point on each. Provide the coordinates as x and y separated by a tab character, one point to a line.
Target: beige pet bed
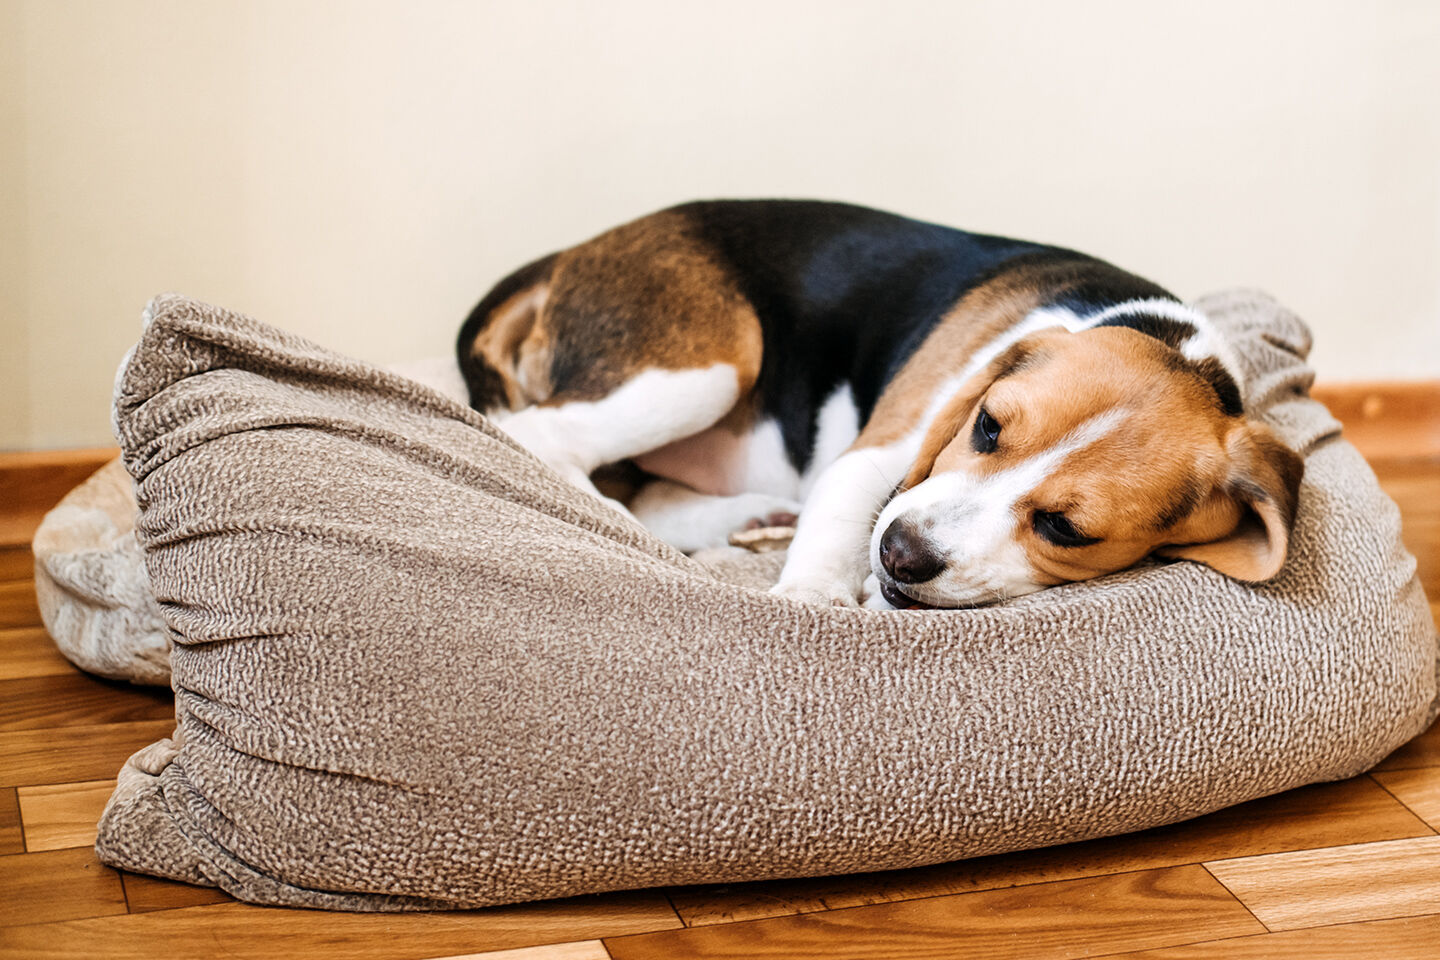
414	668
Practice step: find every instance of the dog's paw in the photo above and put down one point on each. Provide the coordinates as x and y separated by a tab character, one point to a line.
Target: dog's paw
823	593
775	518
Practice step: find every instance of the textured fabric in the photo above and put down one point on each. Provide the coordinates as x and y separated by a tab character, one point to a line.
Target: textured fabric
90	582
414	668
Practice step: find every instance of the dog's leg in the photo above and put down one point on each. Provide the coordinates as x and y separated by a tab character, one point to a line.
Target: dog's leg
692	521
830	557
646	412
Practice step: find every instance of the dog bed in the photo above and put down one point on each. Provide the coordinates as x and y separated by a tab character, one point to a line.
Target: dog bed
414	668
90	582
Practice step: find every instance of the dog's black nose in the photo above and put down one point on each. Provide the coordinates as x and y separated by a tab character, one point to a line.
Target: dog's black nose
906	555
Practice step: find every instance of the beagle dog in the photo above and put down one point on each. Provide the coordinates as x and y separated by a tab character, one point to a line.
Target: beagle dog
956	418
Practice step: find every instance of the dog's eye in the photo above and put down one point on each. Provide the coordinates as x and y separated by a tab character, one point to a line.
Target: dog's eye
1056	528
986	435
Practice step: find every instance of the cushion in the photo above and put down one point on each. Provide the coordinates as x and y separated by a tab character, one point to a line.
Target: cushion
414	668
90	582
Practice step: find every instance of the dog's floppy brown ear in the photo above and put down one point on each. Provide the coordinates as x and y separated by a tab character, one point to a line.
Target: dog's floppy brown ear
1264	481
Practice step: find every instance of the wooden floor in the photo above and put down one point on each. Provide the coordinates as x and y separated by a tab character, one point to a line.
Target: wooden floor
1347	869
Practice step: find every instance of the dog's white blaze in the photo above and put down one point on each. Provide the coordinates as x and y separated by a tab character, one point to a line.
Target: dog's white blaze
972	522
1036	320
645	413
1207	341
818	562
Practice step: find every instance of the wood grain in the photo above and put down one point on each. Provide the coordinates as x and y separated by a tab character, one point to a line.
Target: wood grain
29	652
12	835
577	950
16	563
69	754
1423	751
1373	881
33	482
62	815
1072	918
1418	789
145	894
56	885
1411	938
77	699
1316	816
1387	419
1102	896
262	933
17	605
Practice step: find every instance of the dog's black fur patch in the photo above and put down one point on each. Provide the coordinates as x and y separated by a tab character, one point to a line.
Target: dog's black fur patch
845	295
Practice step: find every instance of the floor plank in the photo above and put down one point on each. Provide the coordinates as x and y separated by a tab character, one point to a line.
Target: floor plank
1423	751
61	903
577	950
1411	938
12	836
78	699
17	605
1386	418
145	894
57	816
261	933
1373	881
1418	789
57	885
1073	918
1316	816
33	482
29	652
70	754
16	563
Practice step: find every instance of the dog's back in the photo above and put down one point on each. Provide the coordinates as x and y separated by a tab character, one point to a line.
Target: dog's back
868	364
839	294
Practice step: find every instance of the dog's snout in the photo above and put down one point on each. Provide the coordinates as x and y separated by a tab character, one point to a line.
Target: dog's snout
907	556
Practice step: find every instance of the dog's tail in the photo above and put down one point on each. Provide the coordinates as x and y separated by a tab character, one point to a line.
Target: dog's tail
493	340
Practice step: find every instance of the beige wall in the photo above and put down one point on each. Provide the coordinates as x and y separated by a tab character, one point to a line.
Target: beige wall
360	172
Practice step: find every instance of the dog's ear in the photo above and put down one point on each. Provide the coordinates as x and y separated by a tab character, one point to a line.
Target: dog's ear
955	415
1264	481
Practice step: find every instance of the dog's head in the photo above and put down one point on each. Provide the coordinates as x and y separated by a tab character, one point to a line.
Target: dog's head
1073	455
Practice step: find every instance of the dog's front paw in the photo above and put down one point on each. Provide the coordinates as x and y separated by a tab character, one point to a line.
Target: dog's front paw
824	593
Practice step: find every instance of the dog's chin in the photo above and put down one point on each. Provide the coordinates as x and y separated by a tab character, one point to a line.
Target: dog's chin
901	601
894	594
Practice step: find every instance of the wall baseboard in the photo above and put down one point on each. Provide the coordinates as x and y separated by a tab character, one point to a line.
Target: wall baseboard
33	481
1387	419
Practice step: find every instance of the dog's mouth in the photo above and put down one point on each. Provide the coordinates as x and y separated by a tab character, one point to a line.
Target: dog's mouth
901	600
895	598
